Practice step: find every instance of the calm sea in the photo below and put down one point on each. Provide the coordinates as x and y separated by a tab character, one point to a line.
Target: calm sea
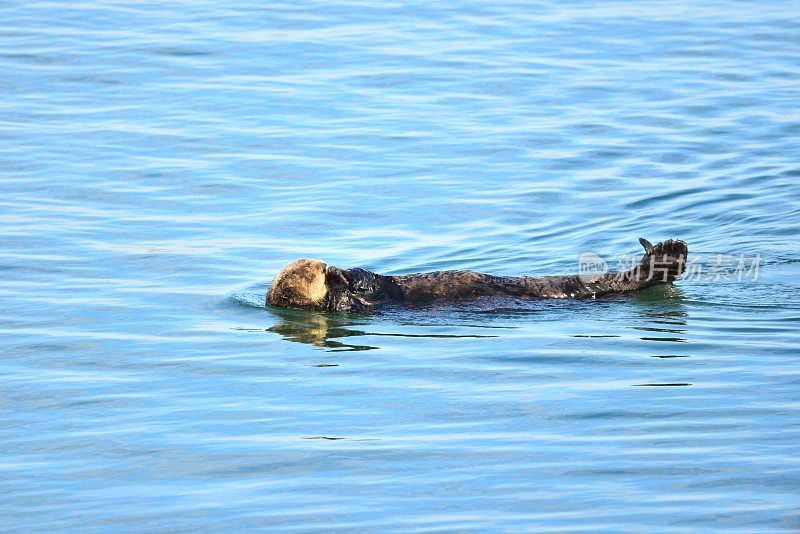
160	161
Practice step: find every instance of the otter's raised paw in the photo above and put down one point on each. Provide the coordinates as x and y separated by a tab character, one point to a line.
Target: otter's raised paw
663	262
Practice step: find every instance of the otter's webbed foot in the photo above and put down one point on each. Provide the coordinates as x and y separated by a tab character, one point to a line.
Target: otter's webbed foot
661	263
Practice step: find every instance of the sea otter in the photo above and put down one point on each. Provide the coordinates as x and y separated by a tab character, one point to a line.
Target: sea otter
313	285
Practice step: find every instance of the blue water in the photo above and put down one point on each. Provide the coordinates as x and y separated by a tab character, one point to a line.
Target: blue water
160	161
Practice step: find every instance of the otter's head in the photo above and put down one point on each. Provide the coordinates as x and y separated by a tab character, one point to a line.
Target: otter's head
300	284
312	285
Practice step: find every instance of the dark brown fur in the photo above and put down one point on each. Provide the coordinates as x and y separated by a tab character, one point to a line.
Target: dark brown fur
310	284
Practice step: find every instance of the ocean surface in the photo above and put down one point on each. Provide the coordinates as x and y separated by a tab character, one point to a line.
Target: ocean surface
160	161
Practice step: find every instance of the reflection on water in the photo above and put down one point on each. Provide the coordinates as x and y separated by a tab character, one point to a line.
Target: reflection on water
318	329
659	307
663	311
322	329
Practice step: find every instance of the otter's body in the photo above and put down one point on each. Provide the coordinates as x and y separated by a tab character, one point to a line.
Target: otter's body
310	284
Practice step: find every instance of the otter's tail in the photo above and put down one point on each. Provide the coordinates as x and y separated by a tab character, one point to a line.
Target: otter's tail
661	263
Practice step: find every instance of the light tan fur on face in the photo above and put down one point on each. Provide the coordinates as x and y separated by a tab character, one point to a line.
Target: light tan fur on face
299	284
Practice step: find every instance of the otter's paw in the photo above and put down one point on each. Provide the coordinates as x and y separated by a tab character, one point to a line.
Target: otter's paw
663	262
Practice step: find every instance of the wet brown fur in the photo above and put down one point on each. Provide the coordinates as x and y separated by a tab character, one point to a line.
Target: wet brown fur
311	284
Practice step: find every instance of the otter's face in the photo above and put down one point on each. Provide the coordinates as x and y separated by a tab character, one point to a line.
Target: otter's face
312	285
